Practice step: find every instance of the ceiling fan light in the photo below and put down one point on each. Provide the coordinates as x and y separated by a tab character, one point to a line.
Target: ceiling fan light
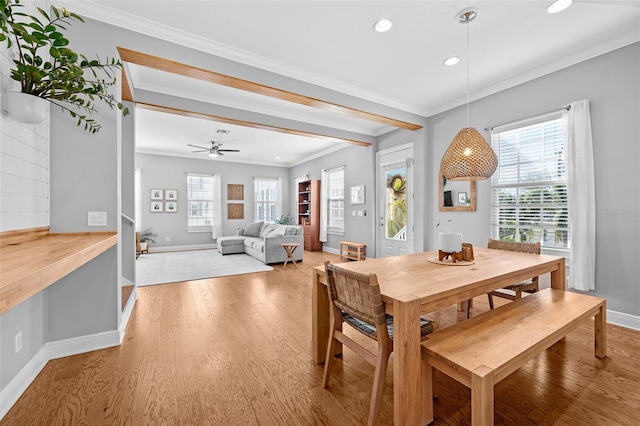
469	157
213	154
383	25
558	6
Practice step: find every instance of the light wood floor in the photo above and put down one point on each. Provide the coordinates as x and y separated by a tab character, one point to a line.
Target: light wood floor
237	351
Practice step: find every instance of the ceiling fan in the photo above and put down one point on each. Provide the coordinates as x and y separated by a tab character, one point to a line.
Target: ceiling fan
215	150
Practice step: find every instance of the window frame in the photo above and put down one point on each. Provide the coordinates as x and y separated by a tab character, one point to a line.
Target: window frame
551	185
191	199
266	203
332	200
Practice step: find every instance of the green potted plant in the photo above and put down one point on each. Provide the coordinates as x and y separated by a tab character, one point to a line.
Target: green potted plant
47	68
146	237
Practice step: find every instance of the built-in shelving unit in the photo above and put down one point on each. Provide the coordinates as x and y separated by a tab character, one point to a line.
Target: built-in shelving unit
309	213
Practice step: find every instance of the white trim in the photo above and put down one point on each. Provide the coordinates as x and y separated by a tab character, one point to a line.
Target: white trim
126	314
52	350
331	250
16	387
134	23
182	248
82	344
623	320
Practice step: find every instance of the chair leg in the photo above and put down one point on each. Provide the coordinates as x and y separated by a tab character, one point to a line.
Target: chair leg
378	385
329	358
490	300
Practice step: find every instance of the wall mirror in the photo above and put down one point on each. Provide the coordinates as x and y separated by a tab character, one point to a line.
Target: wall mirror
456	196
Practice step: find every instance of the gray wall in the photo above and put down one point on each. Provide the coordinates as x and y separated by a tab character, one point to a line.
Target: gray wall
83	178
359	170
612	84
162	172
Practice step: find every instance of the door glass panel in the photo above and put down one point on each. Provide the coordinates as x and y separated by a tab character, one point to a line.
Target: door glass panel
396	203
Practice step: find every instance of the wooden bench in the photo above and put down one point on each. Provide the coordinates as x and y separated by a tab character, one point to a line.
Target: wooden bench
481	351
351	250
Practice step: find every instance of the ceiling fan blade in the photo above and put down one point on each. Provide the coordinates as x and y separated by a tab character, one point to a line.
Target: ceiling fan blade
201	150
229	150
196	146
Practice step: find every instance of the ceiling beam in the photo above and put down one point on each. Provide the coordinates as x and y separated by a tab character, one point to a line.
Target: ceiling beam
155	62
201	115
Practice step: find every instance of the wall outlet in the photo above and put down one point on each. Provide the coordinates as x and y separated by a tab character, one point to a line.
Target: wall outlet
18	341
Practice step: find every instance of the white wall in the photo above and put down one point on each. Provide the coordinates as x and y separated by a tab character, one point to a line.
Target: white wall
24	163
163	172
612	84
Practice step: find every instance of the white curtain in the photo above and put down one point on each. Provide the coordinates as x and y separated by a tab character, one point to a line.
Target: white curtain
324	183
216	228
279	203
138	199
581	196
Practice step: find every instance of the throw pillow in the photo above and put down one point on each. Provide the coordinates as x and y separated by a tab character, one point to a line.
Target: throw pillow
240	231
266	230
290	230
278	232
253	229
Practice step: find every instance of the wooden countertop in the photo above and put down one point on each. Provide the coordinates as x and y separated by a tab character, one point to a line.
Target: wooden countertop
29	266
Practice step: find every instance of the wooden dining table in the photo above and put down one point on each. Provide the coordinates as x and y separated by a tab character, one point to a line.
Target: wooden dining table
412	285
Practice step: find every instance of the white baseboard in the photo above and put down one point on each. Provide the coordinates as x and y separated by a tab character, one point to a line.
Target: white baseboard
127	313
16	387
331	250
82	344
52	350
623	320
182	248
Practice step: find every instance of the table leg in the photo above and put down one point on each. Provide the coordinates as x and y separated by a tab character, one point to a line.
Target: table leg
600	331
320	321
408	402
558	278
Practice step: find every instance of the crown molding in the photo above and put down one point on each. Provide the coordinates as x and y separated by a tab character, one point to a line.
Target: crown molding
103	13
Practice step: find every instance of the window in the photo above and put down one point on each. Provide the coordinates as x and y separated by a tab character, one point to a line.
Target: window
529	188
335	200
266	199
199	200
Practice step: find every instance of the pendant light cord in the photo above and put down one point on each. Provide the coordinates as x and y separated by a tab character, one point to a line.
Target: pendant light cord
467	24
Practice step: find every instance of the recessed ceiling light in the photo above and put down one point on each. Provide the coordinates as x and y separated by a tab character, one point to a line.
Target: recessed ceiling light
277	158
451	61
383	25
559	6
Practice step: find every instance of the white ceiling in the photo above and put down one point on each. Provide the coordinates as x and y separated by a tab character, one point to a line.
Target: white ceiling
332	43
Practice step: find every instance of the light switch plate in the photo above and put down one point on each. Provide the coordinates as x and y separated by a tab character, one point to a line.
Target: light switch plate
97	219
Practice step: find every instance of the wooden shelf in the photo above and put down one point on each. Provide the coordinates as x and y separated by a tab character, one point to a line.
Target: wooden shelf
309	213
352	251
28	266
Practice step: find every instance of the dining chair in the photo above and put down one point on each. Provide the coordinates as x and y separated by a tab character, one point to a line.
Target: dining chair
515	290
355	299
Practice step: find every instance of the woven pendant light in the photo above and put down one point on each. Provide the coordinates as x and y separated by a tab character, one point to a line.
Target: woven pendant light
469	157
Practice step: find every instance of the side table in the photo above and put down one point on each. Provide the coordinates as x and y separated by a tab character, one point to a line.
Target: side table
290	248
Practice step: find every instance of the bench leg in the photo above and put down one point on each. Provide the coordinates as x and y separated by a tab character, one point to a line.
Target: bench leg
482	396
428	383
600	330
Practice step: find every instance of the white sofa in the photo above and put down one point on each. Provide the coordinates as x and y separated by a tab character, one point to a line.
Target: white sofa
264	242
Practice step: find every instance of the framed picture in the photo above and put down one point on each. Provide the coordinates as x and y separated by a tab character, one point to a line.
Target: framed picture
357	194
462	198
156	207
171	194
235	191
235	211
170	206
157	194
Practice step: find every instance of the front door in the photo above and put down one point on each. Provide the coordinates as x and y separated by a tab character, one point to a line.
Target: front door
395	205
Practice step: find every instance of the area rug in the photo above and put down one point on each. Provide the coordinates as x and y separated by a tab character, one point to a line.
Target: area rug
160	268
